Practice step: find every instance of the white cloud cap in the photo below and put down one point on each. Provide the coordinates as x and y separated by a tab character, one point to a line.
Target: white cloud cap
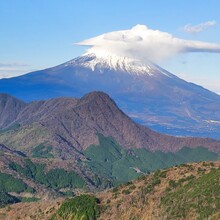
142	43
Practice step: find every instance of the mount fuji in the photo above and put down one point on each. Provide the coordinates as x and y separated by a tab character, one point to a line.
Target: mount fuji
146	92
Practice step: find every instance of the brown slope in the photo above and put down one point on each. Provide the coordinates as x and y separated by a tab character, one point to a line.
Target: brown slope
9	109
140	199
75	123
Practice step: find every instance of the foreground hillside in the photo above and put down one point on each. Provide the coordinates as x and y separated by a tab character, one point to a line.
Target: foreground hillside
189	191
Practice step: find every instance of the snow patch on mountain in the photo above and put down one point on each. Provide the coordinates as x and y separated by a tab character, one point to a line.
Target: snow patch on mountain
107	61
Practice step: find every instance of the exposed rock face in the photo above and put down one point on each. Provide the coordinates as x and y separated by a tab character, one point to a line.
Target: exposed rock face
73	124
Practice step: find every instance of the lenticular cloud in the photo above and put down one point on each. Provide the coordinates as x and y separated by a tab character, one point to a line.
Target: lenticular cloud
143	43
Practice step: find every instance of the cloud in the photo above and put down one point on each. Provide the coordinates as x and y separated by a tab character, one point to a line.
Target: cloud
12	69
13	65
141	43
193	29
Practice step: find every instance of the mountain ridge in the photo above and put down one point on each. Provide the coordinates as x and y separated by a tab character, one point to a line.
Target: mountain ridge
74	124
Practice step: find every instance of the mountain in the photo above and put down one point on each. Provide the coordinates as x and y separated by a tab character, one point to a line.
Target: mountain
149	94
9	109
70	126
188	191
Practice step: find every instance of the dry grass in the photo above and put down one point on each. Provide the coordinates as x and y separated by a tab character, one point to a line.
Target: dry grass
42	210
143	204
137	200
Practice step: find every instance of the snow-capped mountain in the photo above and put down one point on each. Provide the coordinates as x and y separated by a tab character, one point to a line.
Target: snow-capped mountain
145	91
100	63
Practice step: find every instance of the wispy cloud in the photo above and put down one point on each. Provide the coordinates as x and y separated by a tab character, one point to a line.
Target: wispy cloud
141	42
13	65
13	69
193	29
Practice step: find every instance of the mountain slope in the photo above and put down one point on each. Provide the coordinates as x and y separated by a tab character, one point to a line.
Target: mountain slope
166	194
42	176
71	125
146	92
9	109
189	191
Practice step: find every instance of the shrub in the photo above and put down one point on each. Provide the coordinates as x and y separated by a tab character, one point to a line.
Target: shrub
172	184
6	199
108	201
156	181
180	181
126	191
115	189
84	207
160	174
132	187
10	184
42	151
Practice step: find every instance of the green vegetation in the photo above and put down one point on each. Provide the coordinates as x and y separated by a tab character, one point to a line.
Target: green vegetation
55	178
160	174
42	151
10	184
188	178
59	178
84	207
13	127
126	191
6	199
68	193
112	162
172	184
196	154
21	138
201	195
28	199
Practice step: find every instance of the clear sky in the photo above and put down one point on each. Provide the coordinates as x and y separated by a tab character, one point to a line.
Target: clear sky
42	33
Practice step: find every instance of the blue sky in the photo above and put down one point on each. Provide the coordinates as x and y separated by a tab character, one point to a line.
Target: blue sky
40	34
